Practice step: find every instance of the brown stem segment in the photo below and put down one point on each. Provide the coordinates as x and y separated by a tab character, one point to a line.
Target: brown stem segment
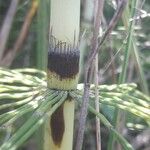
57	126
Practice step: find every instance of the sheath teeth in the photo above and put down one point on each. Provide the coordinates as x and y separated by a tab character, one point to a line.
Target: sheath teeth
63	64
62	47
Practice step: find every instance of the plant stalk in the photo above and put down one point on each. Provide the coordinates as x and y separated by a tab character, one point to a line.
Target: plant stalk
63	71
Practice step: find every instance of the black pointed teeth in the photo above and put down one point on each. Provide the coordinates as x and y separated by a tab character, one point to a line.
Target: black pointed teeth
63	60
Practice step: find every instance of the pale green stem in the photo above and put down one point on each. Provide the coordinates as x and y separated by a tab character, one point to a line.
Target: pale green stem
64	27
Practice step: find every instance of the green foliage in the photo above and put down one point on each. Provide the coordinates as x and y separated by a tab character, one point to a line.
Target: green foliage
24	91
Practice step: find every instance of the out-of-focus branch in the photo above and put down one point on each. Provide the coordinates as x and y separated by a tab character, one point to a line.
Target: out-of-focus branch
111	26
98	7
5	30
83	111
10	55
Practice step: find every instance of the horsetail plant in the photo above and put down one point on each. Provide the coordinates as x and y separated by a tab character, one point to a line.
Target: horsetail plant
50	98
63	70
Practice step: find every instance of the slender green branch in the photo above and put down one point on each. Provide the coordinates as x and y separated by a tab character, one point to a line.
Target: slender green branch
34	121
119	137
118	114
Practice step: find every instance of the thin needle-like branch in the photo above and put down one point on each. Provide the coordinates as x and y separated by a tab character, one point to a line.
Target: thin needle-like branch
83	111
